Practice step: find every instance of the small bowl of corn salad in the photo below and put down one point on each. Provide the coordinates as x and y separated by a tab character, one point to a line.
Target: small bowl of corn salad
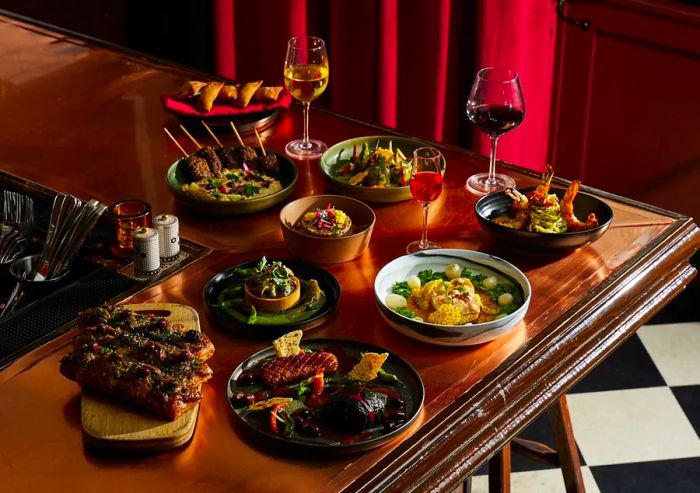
452	297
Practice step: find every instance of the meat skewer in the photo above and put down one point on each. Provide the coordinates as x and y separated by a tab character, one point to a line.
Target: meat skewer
262	147
184	153
240	141
211	133
190	136
268	163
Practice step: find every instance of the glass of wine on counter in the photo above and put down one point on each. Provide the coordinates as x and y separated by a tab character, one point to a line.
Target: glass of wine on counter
496	106
426	187
306	77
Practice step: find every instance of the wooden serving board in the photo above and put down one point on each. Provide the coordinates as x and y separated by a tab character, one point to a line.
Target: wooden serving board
113	426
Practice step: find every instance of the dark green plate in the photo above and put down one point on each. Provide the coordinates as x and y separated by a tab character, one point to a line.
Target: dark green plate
302	270
337	155
288	177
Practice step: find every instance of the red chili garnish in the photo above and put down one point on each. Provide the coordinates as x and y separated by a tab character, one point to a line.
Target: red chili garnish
318	384
223	189
273	416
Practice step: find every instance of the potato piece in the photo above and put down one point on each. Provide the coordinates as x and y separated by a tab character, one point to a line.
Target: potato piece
208	95
267	94
189	89
246	92
228	93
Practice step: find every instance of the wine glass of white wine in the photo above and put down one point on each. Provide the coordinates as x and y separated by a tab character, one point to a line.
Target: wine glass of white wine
306	77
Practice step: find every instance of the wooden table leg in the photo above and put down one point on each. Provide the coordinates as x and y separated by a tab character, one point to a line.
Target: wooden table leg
499	471
566	446
467	485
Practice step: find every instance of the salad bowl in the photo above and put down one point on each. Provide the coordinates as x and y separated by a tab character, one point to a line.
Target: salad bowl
339	155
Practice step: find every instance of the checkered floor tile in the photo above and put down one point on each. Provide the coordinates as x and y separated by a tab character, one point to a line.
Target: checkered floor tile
636	420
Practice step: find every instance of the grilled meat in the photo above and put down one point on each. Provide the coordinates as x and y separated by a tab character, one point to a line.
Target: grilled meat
228	156
209	155
290	368
248	155
158	350
140	359
269	164
145	386
196	168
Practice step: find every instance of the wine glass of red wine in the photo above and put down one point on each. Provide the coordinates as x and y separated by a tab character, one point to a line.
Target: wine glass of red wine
426	186
496	106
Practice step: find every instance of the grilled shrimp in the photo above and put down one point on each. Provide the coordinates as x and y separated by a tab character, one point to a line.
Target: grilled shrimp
539	196
519	209
567	210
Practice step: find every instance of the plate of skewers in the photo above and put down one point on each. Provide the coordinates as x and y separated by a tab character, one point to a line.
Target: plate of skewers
230	180
324	395
543	217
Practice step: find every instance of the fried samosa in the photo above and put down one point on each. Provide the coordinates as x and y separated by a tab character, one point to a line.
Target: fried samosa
267	94
228	93
246	92
208	95
189	89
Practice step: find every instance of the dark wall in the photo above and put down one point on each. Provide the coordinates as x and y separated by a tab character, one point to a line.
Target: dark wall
179	31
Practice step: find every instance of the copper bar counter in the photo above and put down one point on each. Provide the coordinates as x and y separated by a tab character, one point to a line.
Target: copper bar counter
86	119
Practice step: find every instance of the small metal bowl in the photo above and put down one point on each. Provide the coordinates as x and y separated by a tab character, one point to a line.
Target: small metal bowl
24	266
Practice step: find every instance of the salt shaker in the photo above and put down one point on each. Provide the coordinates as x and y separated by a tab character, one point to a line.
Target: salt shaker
146	252
168	229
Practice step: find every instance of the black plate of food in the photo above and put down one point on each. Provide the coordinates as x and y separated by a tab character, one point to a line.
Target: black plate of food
232	180
343	416
500	205
224	297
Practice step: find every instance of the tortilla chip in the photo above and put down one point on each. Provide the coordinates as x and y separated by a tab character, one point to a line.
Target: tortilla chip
228	93
208	95
246	91
368	367
267	94
189	89
288	344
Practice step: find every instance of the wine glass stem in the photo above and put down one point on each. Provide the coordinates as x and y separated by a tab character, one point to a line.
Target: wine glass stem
424	236
305	142
492	163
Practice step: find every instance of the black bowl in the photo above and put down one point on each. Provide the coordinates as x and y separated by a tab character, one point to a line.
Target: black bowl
496	204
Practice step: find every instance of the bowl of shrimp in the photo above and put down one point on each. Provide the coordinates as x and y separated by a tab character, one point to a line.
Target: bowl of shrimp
452	297
542	217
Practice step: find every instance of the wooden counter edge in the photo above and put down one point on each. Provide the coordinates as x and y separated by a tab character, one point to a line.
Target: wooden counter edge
452	445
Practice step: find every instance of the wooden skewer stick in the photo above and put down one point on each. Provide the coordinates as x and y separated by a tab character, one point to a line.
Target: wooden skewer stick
190	136
240	141
184	152
262	147
211	133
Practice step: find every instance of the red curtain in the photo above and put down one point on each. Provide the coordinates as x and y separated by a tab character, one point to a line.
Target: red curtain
406	65
521	35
